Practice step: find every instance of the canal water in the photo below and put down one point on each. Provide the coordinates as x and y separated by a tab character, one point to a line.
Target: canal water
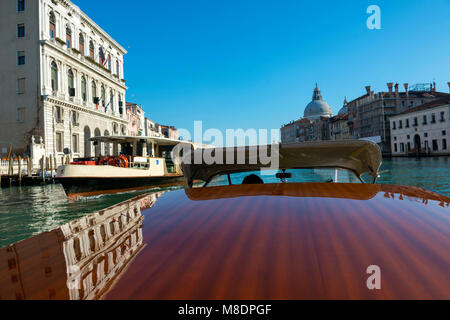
27	211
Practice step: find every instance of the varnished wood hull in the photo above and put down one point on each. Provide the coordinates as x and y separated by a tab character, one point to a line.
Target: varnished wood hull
293	241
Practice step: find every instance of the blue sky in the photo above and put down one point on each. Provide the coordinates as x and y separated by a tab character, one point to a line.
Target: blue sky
254	64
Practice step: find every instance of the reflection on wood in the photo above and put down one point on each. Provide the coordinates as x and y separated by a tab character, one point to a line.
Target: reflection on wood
79	260
293	241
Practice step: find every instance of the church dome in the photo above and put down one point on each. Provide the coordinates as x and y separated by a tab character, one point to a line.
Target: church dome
317	107
344	109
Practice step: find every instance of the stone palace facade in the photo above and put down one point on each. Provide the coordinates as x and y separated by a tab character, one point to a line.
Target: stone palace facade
62	79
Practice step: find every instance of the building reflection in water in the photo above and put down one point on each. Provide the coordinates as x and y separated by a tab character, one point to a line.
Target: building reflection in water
80	260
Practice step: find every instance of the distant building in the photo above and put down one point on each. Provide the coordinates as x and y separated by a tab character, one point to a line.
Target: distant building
168	131
136	119
62	79
422	130
369	114
313	126
152	129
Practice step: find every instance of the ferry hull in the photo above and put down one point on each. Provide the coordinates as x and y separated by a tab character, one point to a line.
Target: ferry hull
89	186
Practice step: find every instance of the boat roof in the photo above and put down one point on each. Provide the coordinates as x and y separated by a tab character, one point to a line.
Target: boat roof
122	139
358	156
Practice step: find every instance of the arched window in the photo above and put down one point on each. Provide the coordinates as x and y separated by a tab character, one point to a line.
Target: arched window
120	104
83	89
91	50
70	83
103	96
94	92
111	100
68	37
81	44
52	25
54	73
101	56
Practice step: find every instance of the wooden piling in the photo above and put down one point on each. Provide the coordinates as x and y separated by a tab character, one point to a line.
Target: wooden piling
51	166
20	170
29	167
9	158
43	169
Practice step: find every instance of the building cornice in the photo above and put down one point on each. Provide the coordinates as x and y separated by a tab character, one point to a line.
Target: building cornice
84	109
84	18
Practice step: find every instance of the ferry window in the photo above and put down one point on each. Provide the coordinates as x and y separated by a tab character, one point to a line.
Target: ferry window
20	5
20	30
68	37
20	58
54	76
81	44
59	142
52	25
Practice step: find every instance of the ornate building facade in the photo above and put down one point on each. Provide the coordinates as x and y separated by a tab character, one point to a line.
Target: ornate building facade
62	79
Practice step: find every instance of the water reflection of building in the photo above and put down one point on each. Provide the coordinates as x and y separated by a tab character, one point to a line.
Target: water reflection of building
79	260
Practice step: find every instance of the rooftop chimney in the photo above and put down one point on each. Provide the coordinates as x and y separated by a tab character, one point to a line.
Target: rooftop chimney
390	84
368	89
396	88
406	88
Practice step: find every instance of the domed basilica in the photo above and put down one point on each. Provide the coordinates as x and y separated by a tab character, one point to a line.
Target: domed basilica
317	108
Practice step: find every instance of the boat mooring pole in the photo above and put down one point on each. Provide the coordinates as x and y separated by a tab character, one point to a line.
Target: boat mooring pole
43	168
20	170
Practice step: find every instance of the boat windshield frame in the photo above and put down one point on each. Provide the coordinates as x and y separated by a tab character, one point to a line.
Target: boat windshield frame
357	156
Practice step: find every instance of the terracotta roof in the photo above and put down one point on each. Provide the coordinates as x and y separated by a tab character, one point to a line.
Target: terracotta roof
339	117
433	104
